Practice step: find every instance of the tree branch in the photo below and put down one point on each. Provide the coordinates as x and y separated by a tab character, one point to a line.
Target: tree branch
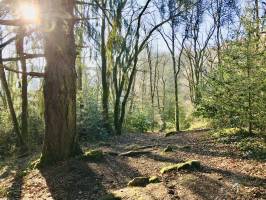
33	74
26	56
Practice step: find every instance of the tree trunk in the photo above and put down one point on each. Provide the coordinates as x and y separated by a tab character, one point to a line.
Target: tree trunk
118	128
61	140
177	128
175	80
151	86
24	88
20	140
249	76
105	85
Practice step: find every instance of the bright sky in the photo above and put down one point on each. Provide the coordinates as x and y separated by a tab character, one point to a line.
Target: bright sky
29	12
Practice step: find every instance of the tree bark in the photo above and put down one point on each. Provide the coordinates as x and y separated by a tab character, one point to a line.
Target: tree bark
104	71
24	88
61	139
151	85
177	128
176	71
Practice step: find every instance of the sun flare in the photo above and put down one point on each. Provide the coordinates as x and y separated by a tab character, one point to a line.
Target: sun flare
28	12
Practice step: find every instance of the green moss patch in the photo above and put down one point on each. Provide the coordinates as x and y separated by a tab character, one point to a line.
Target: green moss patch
189	165
93	155
34	164
154	179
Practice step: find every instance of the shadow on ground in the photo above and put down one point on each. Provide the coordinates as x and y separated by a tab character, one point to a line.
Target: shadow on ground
78	179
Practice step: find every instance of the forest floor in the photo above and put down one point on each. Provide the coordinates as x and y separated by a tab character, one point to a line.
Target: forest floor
224	173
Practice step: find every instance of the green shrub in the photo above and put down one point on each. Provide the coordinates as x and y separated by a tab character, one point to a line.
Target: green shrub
7	136
253	147
89	117
139	121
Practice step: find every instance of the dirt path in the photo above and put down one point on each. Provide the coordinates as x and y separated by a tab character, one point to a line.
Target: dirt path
224	173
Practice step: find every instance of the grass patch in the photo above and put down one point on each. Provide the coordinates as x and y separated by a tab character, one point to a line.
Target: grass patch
199	123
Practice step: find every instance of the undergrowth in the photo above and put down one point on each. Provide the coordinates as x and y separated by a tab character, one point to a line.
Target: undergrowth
253	146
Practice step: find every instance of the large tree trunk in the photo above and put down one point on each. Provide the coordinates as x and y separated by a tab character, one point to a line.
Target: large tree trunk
61	141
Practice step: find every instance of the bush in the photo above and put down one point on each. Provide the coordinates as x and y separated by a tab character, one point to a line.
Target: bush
5	121
36	126
7	137
139	121
253	147
89	118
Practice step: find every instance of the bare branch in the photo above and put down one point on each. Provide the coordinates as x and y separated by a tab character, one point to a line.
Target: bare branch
26	56
33	74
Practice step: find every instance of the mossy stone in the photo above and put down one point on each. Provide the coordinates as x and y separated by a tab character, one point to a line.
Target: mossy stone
139	182
194	164
169	168
170	134
168	149
154	179
110	197
94	154
189	165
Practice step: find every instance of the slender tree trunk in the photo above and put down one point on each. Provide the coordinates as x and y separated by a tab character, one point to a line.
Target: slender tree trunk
24	87
3	98
20	140
257	18
80	75
143	90
61	139
164	102
105	85
151	85
249	64
117	115
175	81
218	30
131	107
176	106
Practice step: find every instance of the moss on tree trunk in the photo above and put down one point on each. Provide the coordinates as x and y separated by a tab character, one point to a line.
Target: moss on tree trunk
61	141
